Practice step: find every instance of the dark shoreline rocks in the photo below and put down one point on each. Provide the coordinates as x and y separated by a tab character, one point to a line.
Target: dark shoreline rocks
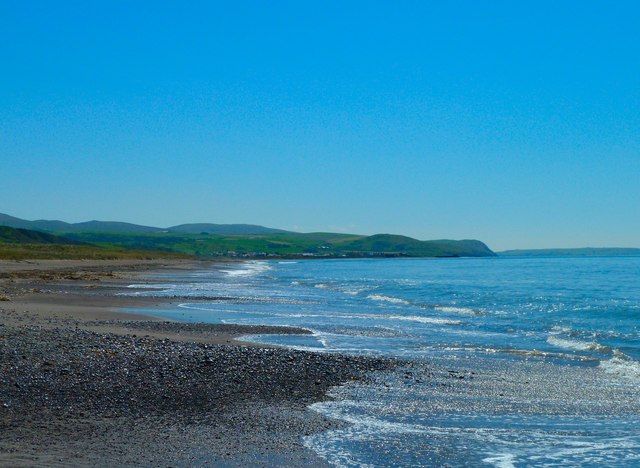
77	397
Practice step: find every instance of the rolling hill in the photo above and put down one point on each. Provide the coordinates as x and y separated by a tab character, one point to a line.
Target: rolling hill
10	235
287	245
248	240
59	226
225	229
116	226
21	244
389	243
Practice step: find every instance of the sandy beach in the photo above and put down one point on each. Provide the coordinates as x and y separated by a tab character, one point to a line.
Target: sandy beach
83	384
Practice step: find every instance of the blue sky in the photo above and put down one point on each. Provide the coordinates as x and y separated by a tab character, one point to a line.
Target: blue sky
517	123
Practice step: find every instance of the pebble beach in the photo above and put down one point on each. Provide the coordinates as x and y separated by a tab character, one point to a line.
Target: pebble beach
82	384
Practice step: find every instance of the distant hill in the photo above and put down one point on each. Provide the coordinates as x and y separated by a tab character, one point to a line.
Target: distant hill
586	251
391	243
111	226
23	244
225	229
6	220
246	240
11	235
287	245
115	226
61	226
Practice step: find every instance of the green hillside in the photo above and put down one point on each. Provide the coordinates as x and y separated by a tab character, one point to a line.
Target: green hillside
111	226
225	229
11	221
21	244
117	226
286	245
388	243
236	240
25	236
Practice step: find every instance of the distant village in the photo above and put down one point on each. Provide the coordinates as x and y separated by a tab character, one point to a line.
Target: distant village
234	254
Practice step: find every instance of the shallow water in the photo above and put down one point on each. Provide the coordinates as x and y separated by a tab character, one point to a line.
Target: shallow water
526	361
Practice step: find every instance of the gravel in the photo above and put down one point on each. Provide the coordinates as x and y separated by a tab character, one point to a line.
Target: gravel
76	397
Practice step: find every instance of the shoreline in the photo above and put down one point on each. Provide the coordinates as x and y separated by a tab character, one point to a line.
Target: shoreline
84	384
84	293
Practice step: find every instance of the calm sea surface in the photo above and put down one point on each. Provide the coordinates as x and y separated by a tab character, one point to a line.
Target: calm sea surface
520	361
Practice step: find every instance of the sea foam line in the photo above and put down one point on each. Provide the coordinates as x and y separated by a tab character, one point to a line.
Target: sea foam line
621	365
383	298
457	310
501	460
577	345
407	318
415	318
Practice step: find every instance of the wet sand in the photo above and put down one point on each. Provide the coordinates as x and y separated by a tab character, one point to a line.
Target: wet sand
82	384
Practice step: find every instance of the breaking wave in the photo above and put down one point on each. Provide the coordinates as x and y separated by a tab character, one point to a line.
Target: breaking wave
383	298
577	345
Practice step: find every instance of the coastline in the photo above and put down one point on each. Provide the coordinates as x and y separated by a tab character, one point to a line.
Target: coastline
84	384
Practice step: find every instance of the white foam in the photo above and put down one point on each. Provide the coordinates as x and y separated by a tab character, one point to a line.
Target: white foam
577	345
383	298
622	365
363	422
501	460
218	308
352	292
409	318
415	318
145	286
325	446
457	310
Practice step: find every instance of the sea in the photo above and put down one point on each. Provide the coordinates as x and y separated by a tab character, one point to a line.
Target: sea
513	361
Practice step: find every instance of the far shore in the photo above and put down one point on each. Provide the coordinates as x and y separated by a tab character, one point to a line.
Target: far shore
85	384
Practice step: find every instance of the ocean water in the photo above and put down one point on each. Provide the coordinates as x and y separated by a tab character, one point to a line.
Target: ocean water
517	361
